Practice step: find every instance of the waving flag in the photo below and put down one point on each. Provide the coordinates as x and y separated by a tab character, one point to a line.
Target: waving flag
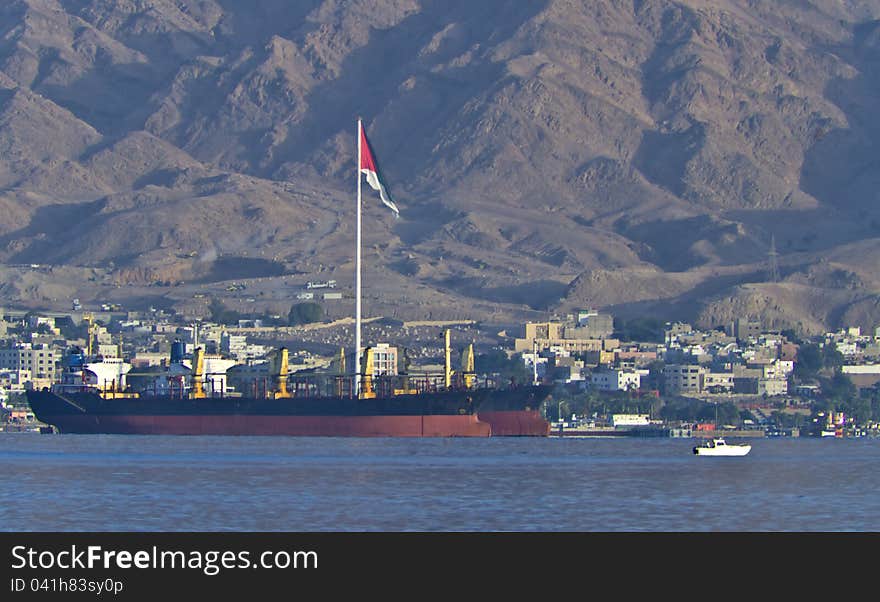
370	168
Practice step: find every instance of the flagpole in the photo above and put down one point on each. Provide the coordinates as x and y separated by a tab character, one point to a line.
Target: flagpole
357	277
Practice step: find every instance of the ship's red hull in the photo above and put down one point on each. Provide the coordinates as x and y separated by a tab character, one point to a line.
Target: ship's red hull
516	423
467	425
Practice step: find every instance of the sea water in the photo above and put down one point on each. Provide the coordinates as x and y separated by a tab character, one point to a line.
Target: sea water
168	483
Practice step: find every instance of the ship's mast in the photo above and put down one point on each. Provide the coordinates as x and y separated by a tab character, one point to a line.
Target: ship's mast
535	361
90	319
447	363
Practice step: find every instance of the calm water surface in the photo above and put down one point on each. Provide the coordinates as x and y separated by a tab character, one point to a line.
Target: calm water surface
156	483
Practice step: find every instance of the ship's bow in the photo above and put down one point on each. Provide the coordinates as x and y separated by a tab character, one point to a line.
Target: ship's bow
515	412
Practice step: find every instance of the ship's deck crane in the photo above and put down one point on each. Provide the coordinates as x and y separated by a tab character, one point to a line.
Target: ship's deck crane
198	374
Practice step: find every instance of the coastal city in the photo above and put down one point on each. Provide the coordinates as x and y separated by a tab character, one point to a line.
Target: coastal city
272	269
606	376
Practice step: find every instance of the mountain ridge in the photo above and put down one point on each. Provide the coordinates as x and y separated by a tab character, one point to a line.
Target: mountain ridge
637	155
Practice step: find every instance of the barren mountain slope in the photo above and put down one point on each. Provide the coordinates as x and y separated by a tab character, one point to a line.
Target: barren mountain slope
642	155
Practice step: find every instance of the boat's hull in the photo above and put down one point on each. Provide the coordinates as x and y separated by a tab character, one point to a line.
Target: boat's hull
444	414
729	450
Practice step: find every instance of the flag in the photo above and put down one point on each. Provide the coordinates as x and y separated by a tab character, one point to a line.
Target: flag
370	168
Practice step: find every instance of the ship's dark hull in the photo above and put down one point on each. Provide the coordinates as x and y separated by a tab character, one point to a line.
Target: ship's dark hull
515	412
472	413
467	425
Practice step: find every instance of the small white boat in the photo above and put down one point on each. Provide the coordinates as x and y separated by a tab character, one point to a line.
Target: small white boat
719	447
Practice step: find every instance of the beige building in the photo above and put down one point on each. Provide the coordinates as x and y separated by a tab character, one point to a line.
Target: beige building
599	358
718	382
750	385
772	386
743	329
14	380
101	336
544	330
146	359
553	334
683	378
39	360
108	350
590	324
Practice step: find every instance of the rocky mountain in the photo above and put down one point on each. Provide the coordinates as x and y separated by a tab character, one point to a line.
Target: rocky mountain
650	157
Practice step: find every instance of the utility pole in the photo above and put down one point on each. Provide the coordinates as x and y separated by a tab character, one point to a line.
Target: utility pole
774	264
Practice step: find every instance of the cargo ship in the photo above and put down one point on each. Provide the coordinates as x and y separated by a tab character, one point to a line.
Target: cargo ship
95	397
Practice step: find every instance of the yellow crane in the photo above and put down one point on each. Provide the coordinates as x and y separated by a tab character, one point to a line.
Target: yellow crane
467	366
280	373
198	374
367	391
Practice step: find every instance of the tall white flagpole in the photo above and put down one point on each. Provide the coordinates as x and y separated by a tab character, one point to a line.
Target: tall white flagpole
357	278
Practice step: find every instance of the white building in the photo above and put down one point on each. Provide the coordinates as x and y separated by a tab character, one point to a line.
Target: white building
530	359
861	369
384	360
778	369
37	321
616	380
847	348
233	345
694	350
630	420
